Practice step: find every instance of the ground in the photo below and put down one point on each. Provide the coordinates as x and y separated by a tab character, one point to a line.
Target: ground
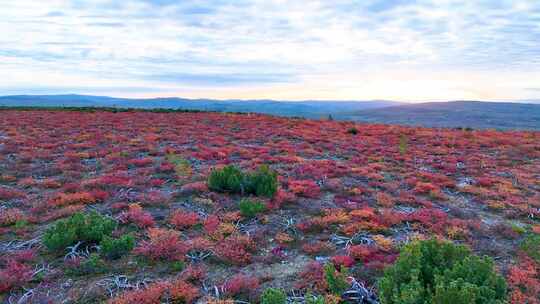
348	193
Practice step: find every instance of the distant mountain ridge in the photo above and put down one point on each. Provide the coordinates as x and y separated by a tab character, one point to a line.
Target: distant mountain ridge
306	108
474	114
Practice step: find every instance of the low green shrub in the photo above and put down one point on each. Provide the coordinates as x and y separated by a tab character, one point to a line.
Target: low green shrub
262	182
273	296
250	208
87	228
531	246
312	299
116	248
352	131
227	179
92	265
440	272
177	266
182	166
336	280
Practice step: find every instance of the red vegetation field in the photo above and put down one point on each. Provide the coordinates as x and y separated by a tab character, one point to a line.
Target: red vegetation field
347	198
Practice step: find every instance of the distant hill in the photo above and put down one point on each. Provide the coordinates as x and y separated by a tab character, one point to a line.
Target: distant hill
307	108
475	114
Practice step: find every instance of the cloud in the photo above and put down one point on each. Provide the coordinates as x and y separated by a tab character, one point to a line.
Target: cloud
55	14
220	79
343	47
106	24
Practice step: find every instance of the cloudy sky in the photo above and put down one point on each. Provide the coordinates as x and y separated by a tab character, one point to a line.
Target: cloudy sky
331	49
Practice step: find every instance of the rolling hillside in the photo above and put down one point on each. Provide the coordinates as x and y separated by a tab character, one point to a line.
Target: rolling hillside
452	114
474	114
308	109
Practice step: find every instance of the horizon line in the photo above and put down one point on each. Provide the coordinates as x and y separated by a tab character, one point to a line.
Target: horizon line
532	101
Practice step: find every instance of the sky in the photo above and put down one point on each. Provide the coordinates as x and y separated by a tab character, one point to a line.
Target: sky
415	50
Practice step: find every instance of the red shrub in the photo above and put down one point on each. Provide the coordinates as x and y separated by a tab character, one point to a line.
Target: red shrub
199	243
20	256
385	200
371	256
9	193
51	183
27	182
211	224
166	168
524	282
150	295
181	219
241	284
312	277
162	244
154	197
425	188
156	182
389	218
433	219
14	275
305	188
195	187
312	225
235	249
485	181
142	162
99	195
361	252
138	216
194	273
79	198
183	292
108	181
60	213
281	197
318	247
342	260
11	216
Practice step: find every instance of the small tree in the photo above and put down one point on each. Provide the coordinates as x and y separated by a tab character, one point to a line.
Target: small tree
262	182
228	179
250	208
79	227
337	280
273	296
531	246
115	248
440	272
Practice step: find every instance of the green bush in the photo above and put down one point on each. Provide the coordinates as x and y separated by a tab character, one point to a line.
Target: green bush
440	272
92	265
177	266
352	131
228	179
90	229
531	246
115	248
249	208
311	299
262	182
337	280
273	296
